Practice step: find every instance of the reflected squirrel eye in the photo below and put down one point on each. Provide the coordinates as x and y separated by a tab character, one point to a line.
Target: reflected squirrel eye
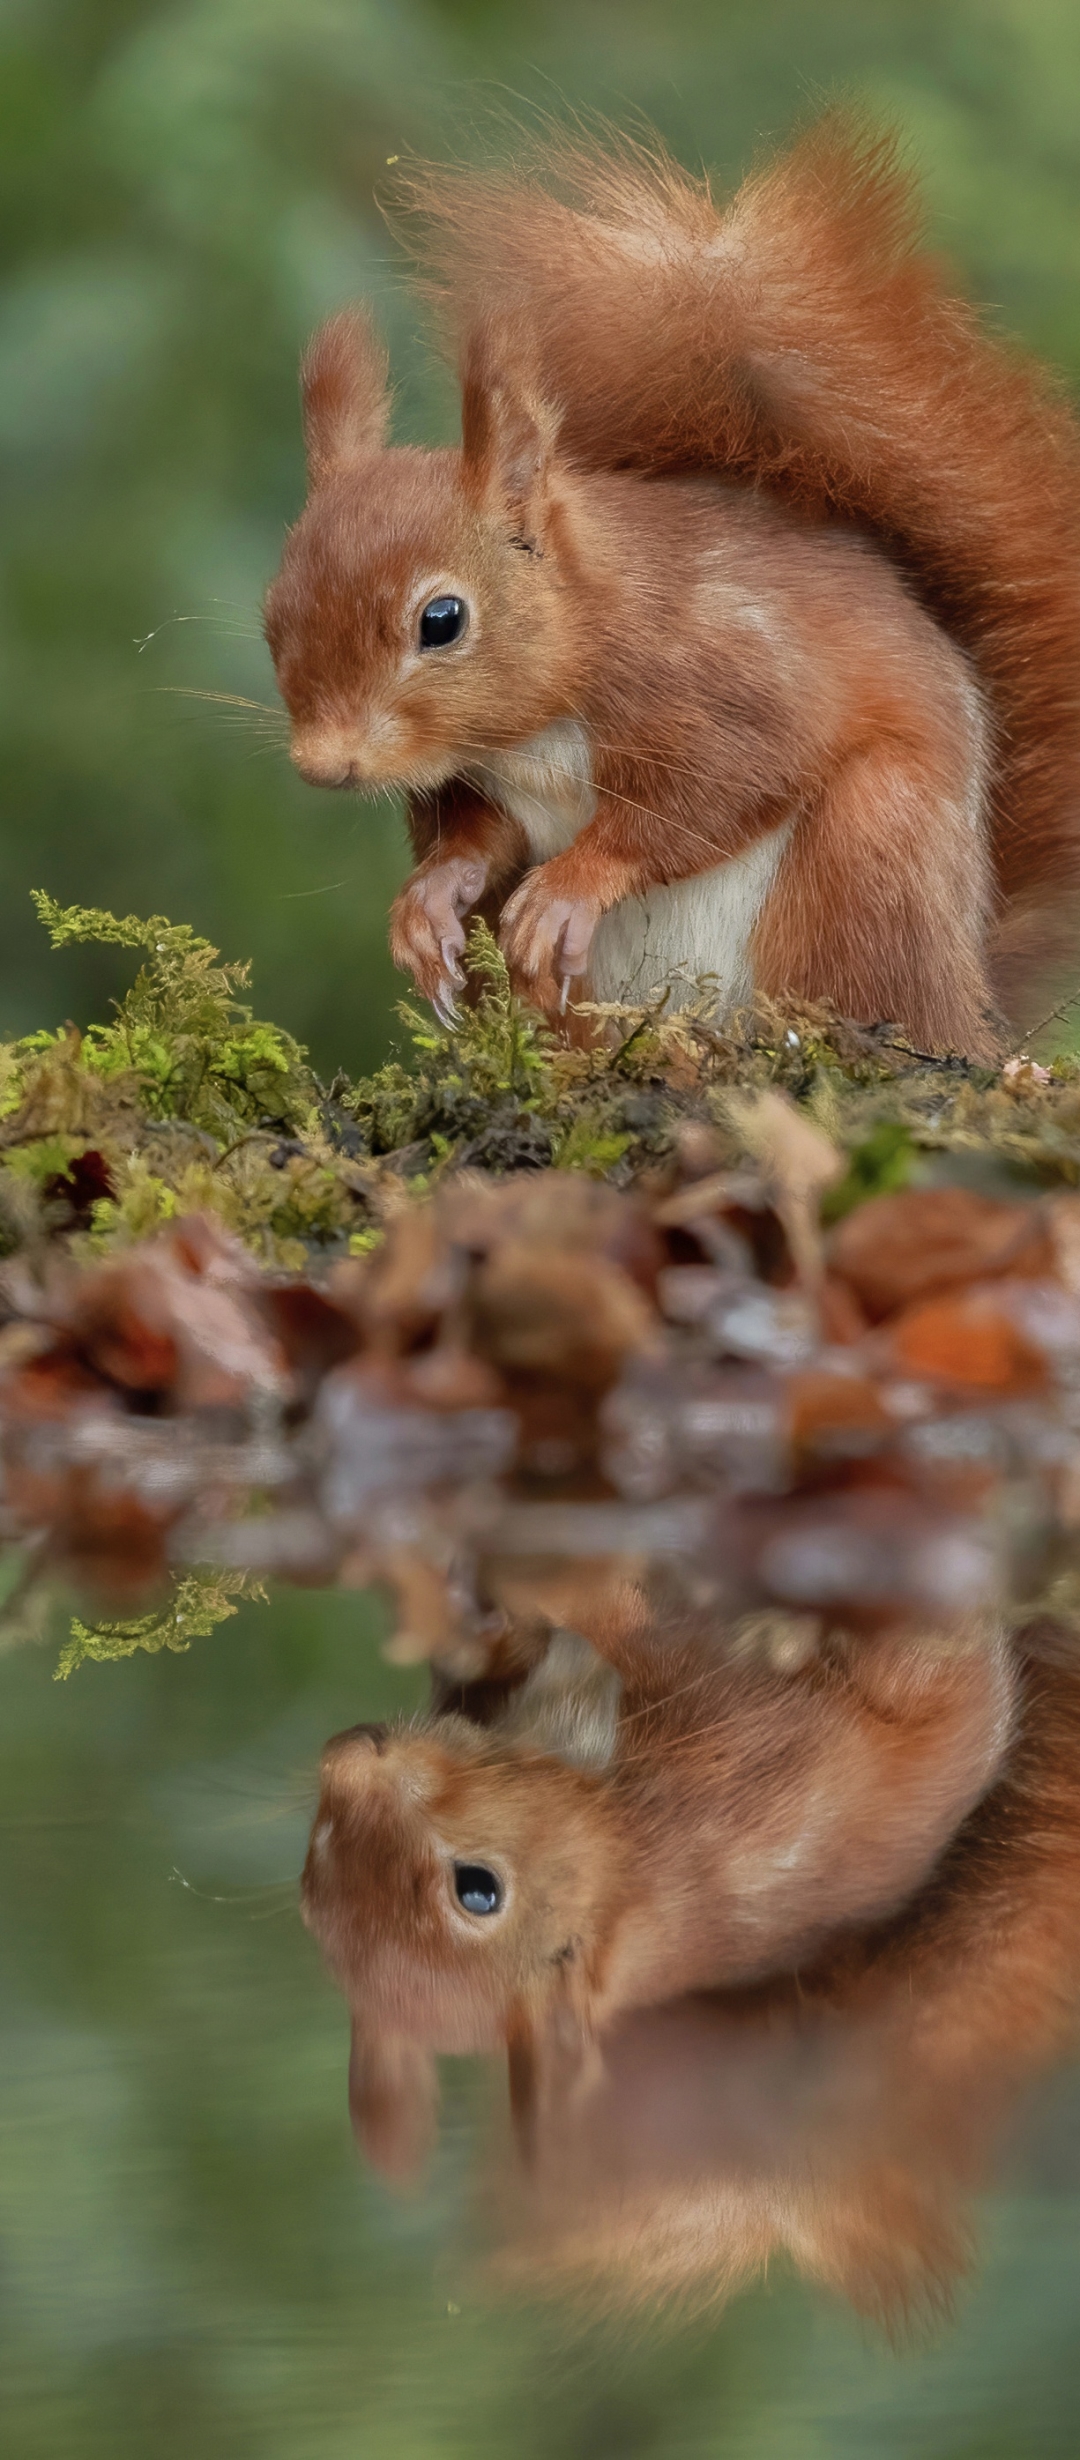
476	1888
443	620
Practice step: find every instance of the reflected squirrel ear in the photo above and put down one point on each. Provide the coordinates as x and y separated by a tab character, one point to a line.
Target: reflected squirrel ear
508	431
554	2062
393	2103
343	386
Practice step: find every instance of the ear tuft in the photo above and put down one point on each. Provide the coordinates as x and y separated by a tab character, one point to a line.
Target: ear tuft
393	2103
343	384
508	430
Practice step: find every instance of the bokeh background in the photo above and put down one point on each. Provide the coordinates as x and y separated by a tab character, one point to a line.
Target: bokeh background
184	191
190	2258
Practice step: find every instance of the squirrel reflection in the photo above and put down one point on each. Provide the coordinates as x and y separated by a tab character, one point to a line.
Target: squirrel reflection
767	1944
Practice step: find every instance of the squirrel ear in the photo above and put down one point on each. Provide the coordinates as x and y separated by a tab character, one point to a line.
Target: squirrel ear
554	2064
344	391
507	429
393	2103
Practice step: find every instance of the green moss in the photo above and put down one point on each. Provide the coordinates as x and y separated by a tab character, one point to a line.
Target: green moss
45	1158
187	1101
587	1144
883	1162
181	1032
196	1604
492	1078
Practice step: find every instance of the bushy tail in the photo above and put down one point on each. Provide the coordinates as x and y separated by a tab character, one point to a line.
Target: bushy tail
804	342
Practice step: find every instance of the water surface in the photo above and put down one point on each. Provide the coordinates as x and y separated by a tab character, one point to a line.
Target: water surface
194	2255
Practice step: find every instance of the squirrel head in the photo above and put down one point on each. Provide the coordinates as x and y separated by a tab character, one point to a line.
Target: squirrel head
420	612
463	1892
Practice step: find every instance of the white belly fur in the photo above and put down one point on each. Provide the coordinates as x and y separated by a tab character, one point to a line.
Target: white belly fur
672	936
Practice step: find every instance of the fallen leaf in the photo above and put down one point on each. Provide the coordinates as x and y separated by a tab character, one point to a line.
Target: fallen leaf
830	1416
895	1250
969	1339
799	1163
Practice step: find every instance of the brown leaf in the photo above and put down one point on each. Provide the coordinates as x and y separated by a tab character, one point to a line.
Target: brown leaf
970	1339
575	1317
842	1318
553	1210
315	1333
410	1281
798	1162
833	1417
176	1316
895	1250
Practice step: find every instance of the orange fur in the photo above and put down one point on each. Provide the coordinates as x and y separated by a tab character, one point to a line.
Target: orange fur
758	531
730	1821
841	2120
717	2056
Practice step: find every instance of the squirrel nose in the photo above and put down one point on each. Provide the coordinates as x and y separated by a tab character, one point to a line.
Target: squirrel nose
349	1764
321	765
356	1739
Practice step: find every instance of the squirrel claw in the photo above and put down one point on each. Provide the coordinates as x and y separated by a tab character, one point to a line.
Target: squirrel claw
545	936
427	931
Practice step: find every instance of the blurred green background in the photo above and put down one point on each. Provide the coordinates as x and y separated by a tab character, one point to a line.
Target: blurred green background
190	2259
184	191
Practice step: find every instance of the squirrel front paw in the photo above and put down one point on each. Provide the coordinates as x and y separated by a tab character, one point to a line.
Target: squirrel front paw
546	935
427	933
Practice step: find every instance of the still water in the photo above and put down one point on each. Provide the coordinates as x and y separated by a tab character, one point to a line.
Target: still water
197	2258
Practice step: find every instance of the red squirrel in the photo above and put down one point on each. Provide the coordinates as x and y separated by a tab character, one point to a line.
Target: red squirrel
692	1822
741	635
771	1953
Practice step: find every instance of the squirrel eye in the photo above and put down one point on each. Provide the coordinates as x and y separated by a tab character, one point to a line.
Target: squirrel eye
476	1888
443	620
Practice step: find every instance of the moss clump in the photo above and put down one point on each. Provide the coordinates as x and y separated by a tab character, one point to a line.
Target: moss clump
197	1602
182	1035
187	1101
485	1095
885	1161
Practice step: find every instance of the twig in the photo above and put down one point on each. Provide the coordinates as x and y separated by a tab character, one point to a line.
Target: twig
1061	1010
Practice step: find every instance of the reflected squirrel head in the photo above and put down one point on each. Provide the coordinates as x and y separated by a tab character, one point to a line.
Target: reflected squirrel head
421	611
462	1895
477	1888
451	1881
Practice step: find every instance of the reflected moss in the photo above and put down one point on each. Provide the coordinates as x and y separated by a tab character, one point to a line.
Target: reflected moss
196	1604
